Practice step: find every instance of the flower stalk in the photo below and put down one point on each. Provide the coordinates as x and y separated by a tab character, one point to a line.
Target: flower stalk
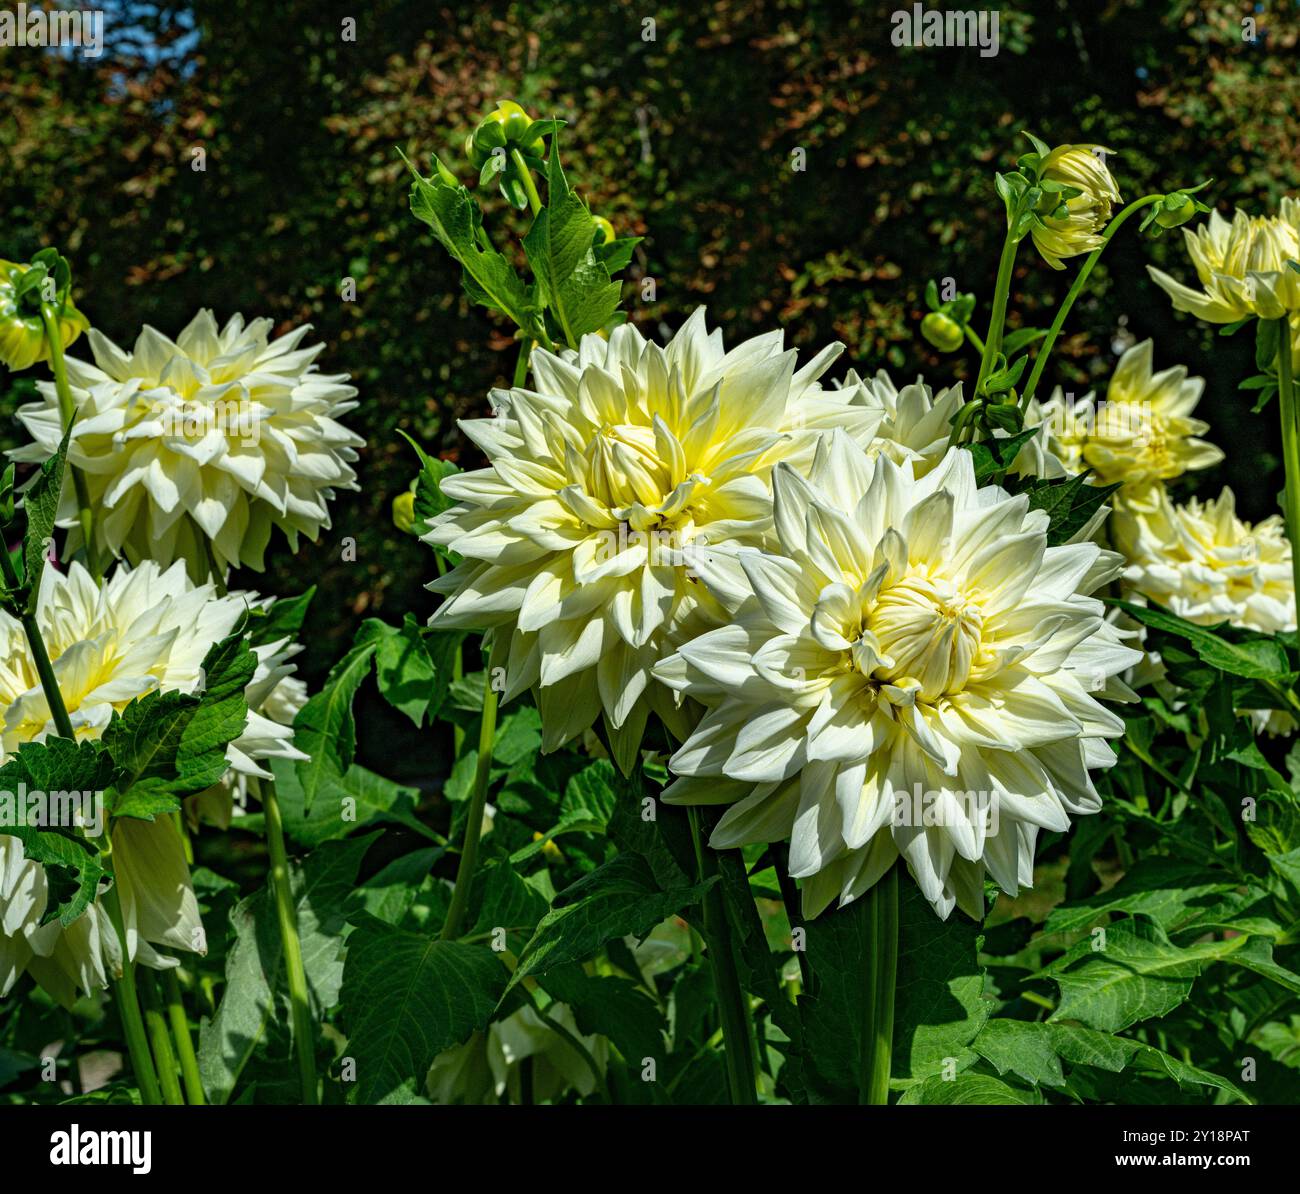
1290	443
303	1028
184	1042
878	1030
737	1026
474	817
68	411
127	997
1076	288
164	1055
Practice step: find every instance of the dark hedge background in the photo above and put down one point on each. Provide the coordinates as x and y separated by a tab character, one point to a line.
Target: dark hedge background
685	140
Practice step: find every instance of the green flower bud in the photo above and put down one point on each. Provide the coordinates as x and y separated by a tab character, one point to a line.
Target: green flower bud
1175	210
22	333
404	512
605	228
506	127
941	330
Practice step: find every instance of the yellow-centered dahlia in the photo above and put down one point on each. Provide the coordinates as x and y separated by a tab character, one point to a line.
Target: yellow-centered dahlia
1142	432
624	455
1244	267
205	442
916	424
1082	167
910	674
1207	565
142	630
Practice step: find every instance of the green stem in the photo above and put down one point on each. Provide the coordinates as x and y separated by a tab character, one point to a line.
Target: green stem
1001	293
1290	444
973	336
474	816
164	1057
184	1042
304	1032
1080	280
878	1033
128	1007
67	412
526	177
521	365
40	656
737	1033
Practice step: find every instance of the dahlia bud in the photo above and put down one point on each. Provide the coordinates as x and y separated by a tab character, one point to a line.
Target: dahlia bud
507	127
1175	210
1078	193
941	330
22	333
605	228
404	511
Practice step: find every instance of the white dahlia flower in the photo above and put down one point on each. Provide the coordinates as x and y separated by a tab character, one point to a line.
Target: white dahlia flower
144	629
1244	267
1201	561
1143	432
908	674
916	424
624	454
487	1066
1079	230
208	440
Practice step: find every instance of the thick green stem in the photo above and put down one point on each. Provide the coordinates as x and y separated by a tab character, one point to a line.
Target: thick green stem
737	1025
40	656
164	1057
474	815
184	1042
67	412
128	1008
1290	444
1001	293
304	1031
1076	289
526	177
878	1031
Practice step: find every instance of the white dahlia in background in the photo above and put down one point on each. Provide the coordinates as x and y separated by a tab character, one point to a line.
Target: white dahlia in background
487	1066
623	454
204	442
908	674
1201	561
144	629
1244	267
1142	433
916	425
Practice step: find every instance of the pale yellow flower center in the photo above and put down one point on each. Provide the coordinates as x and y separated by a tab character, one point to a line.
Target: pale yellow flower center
624	467
929	631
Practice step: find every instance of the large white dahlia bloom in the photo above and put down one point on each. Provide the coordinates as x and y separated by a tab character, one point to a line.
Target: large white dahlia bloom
144	629
624	454
910	673
208	440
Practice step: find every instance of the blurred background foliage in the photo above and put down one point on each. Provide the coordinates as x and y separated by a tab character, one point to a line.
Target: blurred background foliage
682	132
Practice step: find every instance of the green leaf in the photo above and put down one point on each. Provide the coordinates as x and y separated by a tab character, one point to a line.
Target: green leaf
325	729
575	285
966	1090
254	1000
1070	505
173	744
282	619
408	997
1255	658
619	899
408	678
489	279
1139	974
994	456
430	501
611	1007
